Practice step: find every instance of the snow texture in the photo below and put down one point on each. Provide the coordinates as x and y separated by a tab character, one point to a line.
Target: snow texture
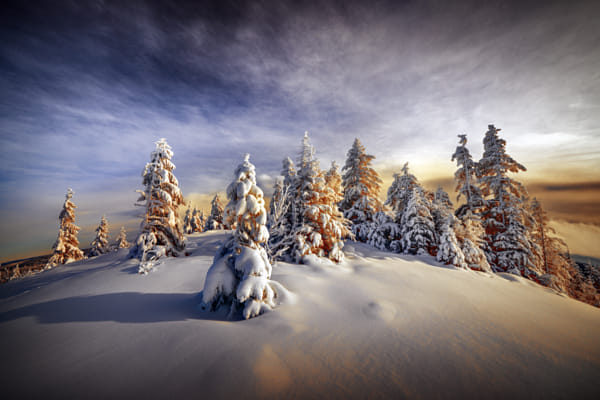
380	325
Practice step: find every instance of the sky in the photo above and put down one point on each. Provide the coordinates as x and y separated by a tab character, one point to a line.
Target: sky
87	87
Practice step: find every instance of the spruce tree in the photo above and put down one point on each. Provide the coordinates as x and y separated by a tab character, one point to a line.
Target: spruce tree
240	274
466	179
100	243
66	248
122	242
320	226
417	228
161	233
509	247
400	191
187	220
361	184
215	219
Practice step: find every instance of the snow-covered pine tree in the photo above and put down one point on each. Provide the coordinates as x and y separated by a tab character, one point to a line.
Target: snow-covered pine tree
384	233
279	221
509	247
466	179
187	220
66	248
320	226
122	242
215	219
400	191
470	235
361	184
100	243
161	233
552	253
240	274
197	222
448	249
417	227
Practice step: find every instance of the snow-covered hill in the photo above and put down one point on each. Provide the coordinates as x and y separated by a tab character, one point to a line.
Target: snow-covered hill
378	326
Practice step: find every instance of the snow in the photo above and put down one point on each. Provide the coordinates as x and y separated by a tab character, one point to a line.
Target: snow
378	325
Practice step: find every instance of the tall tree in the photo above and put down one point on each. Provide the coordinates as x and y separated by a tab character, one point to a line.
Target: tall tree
161	233
509	247
66	247
361	184
466	179
417	227
240	274
100	243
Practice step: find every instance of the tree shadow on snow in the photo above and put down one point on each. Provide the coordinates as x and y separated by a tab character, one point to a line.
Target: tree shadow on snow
126	307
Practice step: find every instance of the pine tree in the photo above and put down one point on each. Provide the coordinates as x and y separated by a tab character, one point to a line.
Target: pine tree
399	192
66	248
100	243
215	219
240	274
384	233
470	235
466	179
161	233
361	185
279	221
187	220
417	228
509	248
320	226
122	242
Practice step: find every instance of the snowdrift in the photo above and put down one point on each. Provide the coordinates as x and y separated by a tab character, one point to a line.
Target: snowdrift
379	325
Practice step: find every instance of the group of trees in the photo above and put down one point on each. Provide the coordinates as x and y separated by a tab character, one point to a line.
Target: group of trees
66	248
496	228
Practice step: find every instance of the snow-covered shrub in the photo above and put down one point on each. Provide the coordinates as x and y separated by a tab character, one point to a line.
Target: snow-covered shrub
161	233
100	243
66	247
240	274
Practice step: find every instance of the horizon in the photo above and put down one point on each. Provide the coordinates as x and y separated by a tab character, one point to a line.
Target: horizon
88	87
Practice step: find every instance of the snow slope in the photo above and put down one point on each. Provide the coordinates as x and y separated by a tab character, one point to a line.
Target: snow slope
378	326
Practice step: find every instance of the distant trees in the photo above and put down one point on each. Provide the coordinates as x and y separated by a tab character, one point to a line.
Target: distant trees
161	232
66	247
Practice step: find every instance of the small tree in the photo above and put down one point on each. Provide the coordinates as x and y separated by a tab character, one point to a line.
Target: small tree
66	248
361	184
187	220
240	274
215	219
100	243
122	242
161	233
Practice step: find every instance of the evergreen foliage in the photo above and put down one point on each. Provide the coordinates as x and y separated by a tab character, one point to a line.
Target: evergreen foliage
161	233
66	247
100	243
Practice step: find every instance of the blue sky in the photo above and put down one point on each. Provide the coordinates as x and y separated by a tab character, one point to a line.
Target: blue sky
88	86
